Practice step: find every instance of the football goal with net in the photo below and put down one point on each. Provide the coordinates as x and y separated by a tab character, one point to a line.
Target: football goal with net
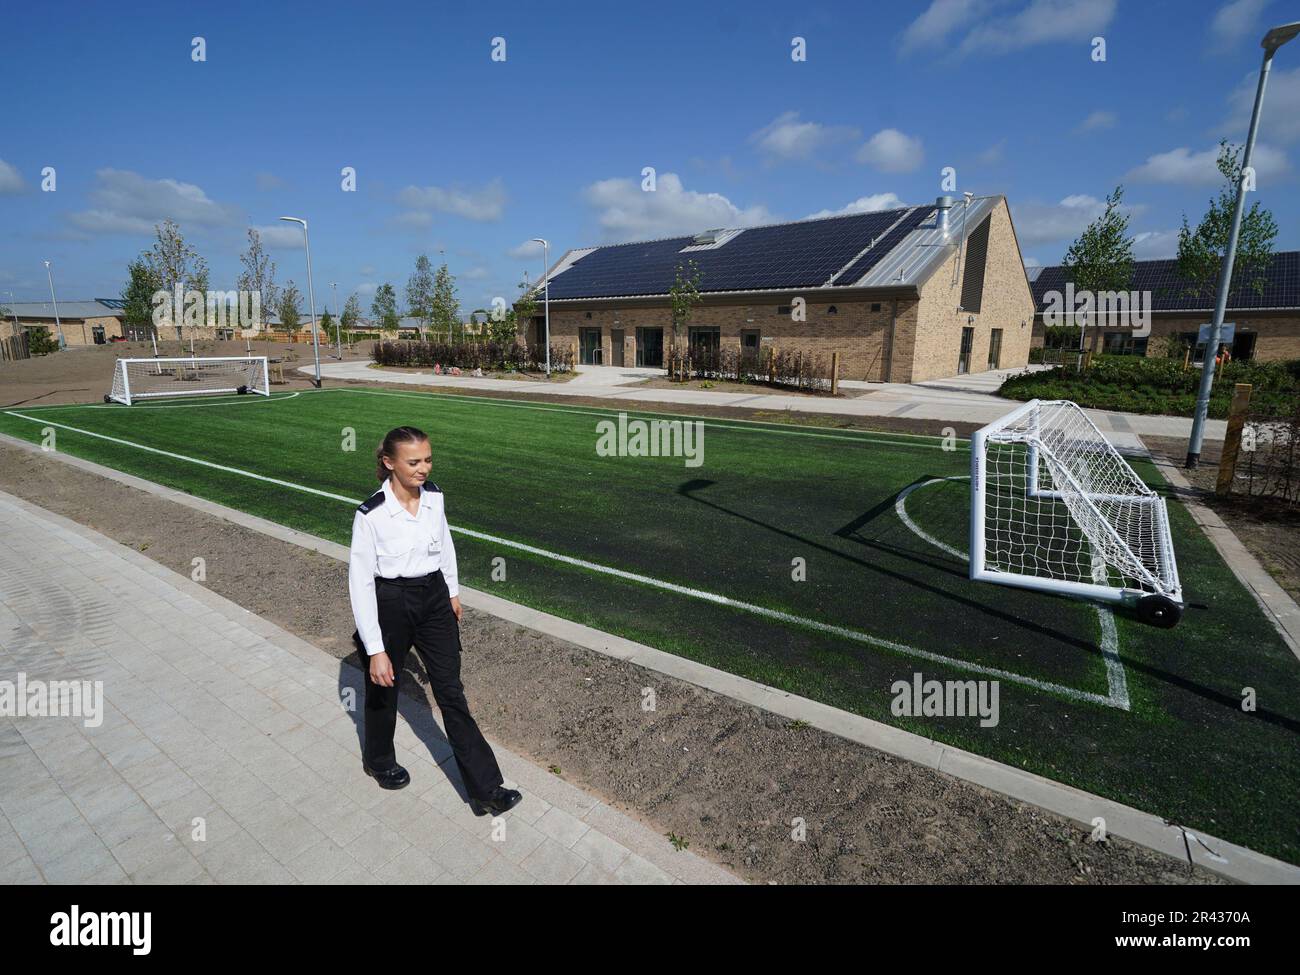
1056	508
137	379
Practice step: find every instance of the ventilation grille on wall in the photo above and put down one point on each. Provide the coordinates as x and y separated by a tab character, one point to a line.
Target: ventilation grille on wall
977	252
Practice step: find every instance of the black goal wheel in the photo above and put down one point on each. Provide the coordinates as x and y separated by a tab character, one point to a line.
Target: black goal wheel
242	390
107	398
1157	610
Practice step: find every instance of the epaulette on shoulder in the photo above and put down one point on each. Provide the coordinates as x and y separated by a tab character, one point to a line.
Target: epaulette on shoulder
371	503
430	486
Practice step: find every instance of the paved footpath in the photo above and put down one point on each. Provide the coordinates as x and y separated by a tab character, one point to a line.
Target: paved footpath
969	399
214	715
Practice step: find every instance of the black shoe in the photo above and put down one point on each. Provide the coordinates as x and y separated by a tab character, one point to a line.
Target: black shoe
391	778
501	800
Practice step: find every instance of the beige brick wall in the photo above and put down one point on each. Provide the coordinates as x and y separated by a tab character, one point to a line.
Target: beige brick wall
1277	334
934	337
76	331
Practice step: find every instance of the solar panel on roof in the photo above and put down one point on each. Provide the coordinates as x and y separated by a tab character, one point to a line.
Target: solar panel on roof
794	255
876	254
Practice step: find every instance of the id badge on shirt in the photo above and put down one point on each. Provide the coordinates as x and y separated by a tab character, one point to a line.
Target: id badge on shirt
435	545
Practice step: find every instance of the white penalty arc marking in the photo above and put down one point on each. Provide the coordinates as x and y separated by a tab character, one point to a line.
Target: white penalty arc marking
715	598
757	427
1116	681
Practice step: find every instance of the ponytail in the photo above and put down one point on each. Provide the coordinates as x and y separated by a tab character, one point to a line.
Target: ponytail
395	436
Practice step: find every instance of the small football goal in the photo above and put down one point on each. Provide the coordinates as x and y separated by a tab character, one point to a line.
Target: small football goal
1056	508
138	379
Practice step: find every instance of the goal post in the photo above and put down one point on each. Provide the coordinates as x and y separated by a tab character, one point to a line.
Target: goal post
1056	508
137	379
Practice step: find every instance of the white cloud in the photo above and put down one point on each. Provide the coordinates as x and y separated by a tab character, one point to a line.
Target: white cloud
529	248
1096	121
786	137
939	20
367	289
1234	20
1187	168
128	203
1151	244
1040	22
368	271
891	151
1281	114
11	181
993	154
626	212
863	204
280	234
1045	223
485	203
269	181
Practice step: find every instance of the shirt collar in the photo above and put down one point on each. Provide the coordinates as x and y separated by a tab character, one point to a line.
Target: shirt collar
394	507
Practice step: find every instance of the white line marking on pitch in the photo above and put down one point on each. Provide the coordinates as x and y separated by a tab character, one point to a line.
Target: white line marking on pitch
605	414
840	631
1116	681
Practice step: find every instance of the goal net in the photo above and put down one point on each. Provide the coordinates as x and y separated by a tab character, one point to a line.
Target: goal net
1056	508
136	379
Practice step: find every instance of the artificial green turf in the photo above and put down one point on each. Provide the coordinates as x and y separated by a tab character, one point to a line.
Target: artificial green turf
765	495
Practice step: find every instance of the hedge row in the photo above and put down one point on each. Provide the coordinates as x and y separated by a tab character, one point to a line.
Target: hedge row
472	355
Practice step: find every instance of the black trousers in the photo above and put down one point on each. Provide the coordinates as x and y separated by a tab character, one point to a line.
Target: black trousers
421	614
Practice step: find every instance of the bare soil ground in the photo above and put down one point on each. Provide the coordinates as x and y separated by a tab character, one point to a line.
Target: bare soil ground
727	777
1270	530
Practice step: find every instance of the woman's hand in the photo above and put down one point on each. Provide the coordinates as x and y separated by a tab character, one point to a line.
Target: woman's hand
381	669
455	607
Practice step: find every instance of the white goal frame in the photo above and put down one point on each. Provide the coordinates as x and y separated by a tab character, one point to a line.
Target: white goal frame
1059	466
123	392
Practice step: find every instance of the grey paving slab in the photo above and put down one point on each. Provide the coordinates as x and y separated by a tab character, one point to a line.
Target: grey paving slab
214	748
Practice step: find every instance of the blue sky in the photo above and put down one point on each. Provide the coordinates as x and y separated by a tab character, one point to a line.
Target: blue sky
460	154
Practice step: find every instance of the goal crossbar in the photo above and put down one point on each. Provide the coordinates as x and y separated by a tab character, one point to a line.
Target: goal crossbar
137	379
1056	508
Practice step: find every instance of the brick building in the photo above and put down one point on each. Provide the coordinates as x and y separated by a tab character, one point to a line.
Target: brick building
89	322
1267	321
915	293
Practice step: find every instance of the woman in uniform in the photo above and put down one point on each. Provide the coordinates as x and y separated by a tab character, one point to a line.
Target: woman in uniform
403	588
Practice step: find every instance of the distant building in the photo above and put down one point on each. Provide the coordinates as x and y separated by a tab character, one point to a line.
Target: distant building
90	321
1267	322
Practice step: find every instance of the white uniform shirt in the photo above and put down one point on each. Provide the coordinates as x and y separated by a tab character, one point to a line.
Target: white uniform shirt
389	541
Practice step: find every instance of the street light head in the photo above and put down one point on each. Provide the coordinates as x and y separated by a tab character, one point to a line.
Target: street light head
295	220
1278	36
538	240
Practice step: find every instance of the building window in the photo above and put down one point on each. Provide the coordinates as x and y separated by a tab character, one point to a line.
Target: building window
875	306
1124	343
832	310
588	314
783	309
704	339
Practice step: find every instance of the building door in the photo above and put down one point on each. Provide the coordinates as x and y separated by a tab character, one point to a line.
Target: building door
963	355
1243	345
995	348
616	346
650	347
589	350
751	341
539	331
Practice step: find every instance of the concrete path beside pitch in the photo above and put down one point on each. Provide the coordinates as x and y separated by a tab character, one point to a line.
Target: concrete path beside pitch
216	716
968	399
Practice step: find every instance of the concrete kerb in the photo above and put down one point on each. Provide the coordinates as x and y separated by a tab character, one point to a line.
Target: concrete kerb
1146	829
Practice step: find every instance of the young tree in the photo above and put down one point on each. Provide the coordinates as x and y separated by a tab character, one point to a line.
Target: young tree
329	327
290	299
137	298
172	261
1101	259
1201	251
684	295
420	292
351	313
446	306
258	275
384	307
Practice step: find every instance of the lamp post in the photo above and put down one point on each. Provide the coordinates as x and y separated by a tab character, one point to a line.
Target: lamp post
1274	39
311	296
546	300
58	325
338	327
